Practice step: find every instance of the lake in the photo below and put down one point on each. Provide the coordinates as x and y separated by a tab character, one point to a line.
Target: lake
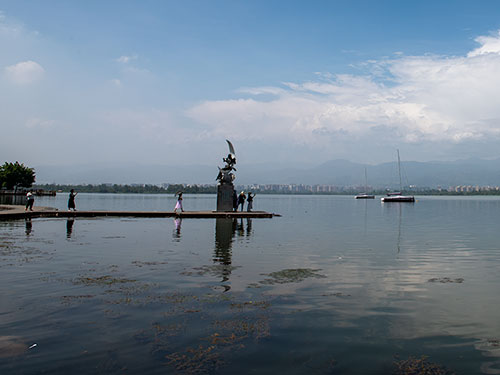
334	286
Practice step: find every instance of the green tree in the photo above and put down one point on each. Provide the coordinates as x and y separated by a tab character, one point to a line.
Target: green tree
16	174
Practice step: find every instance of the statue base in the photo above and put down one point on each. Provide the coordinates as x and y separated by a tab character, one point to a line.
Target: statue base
225	197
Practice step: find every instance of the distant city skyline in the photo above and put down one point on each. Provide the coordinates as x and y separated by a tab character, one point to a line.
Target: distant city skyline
166	82
468	172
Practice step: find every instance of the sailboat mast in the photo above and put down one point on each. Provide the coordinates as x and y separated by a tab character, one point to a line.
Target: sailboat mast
399	171
399	197
366	181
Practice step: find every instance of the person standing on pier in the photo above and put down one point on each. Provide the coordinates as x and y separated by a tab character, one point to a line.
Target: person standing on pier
178	205
250	201
30	199
241	200
71	200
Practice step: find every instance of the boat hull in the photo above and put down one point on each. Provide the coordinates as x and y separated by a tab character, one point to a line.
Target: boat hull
399	198
365	196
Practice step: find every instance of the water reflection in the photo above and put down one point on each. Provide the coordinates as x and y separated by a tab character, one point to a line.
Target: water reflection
399	230
365	221
393	208
225	231
176	234
69	227
29	226
240	228
249	227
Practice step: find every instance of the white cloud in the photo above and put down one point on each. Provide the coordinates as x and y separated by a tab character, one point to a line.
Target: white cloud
262	90
135	71
417	99
141	125
35	122
24	72
8	28
116	82
489	44
126	59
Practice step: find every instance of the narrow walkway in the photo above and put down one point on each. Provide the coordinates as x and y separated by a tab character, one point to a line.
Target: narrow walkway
17	212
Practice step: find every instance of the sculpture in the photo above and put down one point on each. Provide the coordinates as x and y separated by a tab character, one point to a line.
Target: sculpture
225	188
225	173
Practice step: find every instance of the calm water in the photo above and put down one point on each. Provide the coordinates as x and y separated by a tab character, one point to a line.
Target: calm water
335	286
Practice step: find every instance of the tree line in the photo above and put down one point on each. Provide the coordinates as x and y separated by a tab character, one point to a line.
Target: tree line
212	189
130	189
18	176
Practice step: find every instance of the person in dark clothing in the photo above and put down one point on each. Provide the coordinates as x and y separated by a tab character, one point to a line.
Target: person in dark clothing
241	200
71	200
250	201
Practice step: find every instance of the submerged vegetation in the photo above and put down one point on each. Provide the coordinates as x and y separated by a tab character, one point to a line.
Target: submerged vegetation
291	276
419	366
102	280
446	280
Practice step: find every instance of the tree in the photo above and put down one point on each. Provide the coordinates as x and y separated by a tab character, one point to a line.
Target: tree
16	174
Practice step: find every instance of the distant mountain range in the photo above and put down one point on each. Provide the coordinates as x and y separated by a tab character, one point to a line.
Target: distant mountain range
335	172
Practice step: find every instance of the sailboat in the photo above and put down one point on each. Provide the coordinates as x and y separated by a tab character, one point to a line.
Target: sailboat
365	195
398	196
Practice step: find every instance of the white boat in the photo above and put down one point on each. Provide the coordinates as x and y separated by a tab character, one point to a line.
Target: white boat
364	195
398	196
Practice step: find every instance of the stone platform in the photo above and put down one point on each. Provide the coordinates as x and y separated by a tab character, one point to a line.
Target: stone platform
17	212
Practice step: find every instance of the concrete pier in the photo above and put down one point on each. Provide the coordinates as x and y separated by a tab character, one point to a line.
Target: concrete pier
17	212
225	197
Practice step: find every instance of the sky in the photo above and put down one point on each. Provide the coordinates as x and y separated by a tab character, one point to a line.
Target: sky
288	82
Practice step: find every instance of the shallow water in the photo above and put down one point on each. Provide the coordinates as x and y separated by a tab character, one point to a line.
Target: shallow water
335	286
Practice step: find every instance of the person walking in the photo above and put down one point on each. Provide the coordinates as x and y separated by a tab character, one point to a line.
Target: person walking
250	201
178	205
71	200
30	199
241	200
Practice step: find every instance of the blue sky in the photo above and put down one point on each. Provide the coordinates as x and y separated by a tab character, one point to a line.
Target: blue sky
164	82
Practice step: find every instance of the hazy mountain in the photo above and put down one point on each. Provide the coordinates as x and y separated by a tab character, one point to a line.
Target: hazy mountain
125	174
422	174
334	172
